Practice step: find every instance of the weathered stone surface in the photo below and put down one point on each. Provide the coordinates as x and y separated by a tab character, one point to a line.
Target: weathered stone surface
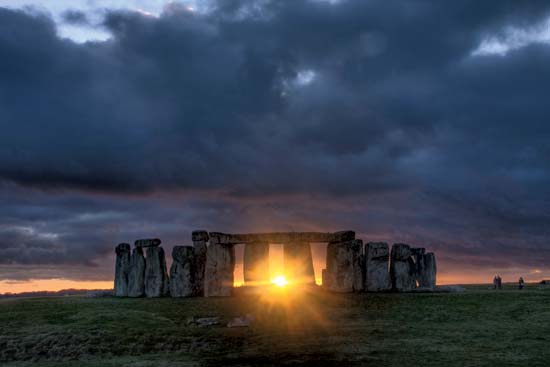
298	263
401	252
136	276
282	237
200	239
148	242
256	264
417	251
343	270
377	267
426	270
358	268
199	236
182	271
122	269
156	276
402	268
325	279
220	266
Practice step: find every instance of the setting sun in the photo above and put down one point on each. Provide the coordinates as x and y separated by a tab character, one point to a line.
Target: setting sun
280	281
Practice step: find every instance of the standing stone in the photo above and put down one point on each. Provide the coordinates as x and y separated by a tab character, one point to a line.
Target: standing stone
136	277
343	270
325	279
358	268
298	263
199	243
256	263
426	271
182	272
122	269
377	263
156	276
219	270
402	268
418	254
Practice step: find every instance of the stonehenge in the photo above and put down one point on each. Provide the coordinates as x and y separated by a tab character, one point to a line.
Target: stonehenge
206	268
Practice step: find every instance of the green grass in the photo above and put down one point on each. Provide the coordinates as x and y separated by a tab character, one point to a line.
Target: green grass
478	328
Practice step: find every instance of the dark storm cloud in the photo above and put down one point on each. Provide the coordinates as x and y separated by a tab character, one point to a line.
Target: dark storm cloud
371	115
75	17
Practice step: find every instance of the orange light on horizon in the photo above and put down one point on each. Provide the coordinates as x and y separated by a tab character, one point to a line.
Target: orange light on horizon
51	285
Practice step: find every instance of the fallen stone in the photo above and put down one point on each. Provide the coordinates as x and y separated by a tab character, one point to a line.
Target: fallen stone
148	242
136	275
182	272
242	321
377	267
156	276
203	321
122	269
402	268
218	274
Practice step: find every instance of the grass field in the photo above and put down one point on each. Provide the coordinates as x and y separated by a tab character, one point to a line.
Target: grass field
480	327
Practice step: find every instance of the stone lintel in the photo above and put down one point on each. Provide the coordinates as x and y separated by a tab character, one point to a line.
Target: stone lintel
148	242
199	236
282	237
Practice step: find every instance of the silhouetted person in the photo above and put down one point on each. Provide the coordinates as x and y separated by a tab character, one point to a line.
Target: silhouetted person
495	282
499	282
521	283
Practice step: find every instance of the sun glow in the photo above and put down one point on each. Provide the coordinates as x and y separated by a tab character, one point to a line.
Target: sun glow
279	281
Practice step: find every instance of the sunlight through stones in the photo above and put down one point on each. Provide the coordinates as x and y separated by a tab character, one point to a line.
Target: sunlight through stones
207	267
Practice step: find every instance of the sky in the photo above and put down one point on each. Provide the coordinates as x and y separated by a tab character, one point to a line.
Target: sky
416	122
